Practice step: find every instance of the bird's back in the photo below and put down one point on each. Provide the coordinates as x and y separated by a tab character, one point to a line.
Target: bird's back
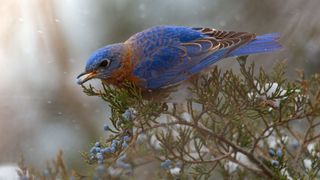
147	42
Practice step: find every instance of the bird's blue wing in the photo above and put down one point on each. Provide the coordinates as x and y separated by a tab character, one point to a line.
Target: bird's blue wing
166	64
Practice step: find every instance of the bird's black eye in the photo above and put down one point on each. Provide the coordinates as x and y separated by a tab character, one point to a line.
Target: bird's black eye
105	63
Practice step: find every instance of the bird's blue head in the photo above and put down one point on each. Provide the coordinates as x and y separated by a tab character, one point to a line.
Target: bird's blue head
102	63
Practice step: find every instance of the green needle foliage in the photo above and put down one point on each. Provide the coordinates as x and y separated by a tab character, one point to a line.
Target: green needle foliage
252	124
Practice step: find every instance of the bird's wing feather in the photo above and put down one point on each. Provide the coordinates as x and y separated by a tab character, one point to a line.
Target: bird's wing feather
172	63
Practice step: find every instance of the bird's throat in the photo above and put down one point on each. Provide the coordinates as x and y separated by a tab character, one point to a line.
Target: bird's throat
124	74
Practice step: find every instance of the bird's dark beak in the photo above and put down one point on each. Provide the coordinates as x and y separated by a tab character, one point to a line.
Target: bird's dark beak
86	76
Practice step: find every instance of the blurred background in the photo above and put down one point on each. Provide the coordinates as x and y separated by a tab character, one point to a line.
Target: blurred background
44	46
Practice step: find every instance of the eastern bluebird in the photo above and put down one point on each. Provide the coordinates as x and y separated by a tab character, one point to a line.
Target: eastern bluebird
164	56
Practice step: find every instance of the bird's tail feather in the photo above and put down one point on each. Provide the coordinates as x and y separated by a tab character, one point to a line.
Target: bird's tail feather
262	44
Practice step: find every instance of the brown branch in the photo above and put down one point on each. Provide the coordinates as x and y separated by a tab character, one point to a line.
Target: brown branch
312	139
206	131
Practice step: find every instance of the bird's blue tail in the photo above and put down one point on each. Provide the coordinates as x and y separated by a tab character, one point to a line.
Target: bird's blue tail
262	44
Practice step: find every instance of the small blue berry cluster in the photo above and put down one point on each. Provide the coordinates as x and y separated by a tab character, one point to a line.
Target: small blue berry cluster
106	127
276	154
99	153
174	168
125	140
129	114
167	164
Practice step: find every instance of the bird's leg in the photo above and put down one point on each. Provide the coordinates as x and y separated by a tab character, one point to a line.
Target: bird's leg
165	106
